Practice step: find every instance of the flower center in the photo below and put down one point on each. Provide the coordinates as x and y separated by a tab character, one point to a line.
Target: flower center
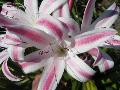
61	51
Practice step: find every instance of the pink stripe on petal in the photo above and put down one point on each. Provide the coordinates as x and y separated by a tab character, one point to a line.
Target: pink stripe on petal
7	73
60	11
114	41
79	70
51	26
70	4
15	53
92	38
31	34
27	64
71	25
51	74
95	52
49	79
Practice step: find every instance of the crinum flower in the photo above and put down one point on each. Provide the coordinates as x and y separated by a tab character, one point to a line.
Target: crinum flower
58	46
13	45
59	39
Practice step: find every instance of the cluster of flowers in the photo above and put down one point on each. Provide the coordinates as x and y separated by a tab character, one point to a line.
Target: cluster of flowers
59	40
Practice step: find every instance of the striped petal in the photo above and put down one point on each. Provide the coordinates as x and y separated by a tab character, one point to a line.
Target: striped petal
31	35
78	69
45	4
12	39
97	55
107	62
3	56
52	26
88	13
7	73
62	11
71	26
32	66
107	18
49	6
51	74
15	13
16	53
113	42
92	39
31	8
36	60
5	21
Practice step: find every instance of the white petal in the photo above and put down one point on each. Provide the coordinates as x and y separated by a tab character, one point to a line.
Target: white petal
72	26
16	53
52	26
92	39
97	55
107	62
77	68
107	18
12	39
31	8
48	9
88	13
51	74
2	41
31	35
36	60
62	11
113	42
3	56
15	13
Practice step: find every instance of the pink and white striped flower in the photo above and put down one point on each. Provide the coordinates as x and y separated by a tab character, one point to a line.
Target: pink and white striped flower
36	29
105	20
60	55
51	29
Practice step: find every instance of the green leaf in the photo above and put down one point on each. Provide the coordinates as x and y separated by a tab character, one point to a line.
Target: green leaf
89	85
